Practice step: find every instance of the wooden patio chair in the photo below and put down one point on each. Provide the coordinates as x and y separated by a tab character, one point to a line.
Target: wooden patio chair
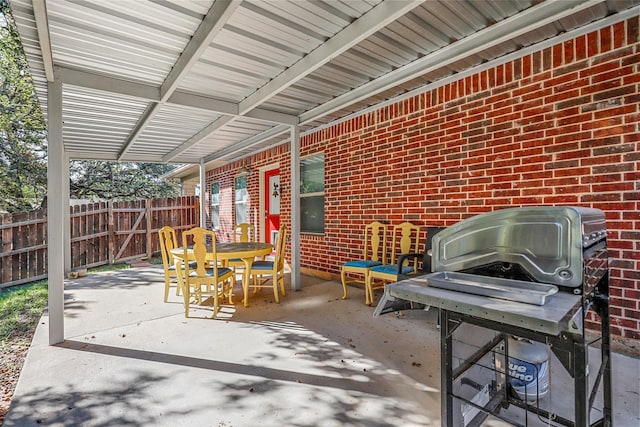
204	276
374	253
243	232
406	237
168	242
262	271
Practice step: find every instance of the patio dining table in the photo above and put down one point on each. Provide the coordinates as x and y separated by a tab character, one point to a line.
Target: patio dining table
246	251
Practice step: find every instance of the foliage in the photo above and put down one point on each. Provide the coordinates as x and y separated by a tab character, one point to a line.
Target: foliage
21	308
119	181
23	169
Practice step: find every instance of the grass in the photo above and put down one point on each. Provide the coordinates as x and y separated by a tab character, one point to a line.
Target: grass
21	308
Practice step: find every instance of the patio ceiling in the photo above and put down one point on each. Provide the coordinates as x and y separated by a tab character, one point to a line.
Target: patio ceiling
185	81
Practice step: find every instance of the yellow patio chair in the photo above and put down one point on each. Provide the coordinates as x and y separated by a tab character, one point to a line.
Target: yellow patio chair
204	276
273	269
404	241
243	232
168	242
374	253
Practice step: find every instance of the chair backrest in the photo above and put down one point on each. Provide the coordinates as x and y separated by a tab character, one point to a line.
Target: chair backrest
428	244
168	242
202	242
405	240
375	242
244	232
280	246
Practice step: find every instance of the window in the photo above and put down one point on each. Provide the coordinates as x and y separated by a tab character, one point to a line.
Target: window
312	194
215	205
241	199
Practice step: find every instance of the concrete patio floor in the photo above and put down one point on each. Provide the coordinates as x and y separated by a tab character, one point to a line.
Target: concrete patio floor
313	360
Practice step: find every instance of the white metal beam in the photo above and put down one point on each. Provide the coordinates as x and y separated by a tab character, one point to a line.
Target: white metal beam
378	17
521	23
203	178
295	208
222	121
208	29
84	79
210	26
55	212
248	143
144	120
42	24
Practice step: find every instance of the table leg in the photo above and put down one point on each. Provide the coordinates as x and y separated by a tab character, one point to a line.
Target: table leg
246	277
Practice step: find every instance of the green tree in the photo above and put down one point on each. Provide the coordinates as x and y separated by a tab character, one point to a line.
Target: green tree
23	168
23	151
120	181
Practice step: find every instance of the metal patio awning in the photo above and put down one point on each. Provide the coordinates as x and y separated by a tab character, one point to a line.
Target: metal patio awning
185	81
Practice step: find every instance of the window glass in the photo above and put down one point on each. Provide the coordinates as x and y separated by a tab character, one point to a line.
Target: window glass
215	205
312	194
241	198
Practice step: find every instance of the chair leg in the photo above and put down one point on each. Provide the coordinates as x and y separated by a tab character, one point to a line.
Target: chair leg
368	293
230	290
343	276
186	296
216	303
167	283
275	290
281	278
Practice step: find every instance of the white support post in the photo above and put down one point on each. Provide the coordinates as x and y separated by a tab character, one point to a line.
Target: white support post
55	213
203	213
67	215
295	208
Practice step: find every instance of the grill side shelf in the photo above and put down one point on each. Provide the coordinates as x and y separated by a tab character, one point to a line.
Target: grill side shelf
508	289
551	318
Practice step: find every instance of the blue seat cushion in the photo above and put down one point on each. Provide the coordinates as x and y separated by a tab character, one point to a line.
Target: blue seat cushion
262	265
362	264
392	269
209	272
236	260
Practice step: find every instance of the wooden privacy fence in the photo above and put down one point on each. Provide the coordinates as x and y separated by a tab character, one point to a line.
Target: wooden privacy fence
101	233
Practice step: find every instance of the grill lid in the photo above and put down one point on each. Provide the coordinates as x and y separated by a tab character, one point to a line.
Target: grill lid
537	243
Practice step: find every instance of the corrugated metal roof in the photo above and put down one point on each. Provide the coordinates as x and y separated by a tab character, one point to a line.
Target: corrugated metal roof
180	81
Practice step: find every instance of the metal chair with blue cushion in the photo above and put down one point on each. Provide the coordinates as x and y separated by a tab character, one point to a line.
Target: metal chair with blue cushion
404	241
263	271
205	277
374	253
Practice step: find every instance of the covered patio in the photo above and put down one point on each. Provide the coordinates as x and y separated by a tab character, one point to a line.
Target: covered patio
210	84
312	360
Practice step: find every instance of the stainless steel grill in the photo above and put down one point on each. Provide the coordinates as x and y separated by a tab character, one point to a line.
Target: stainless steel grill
531	273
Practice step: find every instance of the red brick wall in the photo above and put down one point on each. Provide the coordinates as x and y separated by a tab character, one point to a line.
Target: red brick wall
557	127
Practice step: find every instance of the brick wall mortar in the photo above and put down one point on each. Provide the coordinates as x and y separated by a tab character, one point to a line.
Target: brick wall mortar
557	127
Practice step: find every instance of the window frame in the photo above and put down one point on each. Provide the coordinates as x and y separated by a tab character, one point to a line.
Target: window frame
213	205
238	203
312	194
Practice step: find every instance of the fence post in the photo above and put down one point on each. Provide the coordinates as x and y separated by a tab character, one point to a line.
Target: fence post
148	207
112	233
6	245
